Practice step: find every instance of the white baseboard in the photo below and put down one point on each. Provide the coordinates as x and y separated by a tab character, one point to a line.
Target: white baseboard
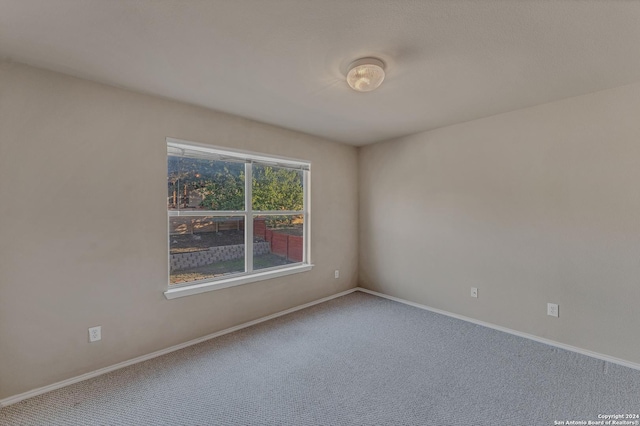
549	342
39	391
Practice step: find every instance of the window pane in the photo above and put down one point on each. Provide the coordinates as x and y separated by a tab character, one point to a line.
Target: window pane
204	184
277	188
278	240
204	247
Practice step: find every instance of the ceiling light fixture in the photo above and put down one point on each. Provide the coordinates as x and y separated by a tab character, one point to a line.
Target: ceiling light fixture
365	74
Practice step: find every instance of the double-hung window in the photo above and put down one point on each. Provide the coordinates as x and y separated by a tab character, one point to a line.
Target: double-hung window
234	217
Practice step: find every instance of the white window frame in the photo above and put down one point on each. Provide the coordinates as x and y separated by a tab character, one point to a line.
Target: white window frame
249	276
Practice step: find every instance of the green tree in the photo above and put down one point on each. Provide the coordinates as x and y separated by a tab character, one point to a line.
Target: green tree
277	189
223	191
221	185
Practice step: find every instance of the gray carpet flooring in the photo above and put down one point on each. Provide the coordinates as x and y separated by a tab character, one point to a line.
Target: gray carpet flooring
355	360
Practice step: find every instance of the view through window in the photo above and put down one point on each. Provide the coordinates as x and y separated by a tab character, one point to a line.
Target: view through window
222	202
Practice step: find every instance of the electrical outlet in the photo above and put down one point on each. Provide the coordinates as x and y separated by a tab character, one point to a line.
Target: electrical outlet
95	334
474	292
337	274
552	310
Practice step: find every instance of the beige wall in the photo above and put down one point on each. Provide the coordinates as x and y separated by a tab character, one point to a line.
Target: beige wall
533	206
82	182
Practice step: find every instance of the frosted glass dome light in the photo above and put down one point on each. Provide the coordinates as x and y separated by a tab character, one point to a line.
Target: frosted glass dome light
365	74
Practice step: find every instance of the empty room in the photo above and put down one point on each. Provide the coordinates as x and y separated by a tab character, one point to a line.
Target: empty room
296	212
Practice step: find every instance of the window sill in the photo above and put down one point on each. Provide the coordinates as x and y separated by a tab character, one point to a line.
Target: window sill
174	293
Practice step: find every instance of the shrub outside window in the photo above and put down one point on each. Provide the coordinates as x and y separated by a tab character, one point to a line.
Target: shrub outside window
220	202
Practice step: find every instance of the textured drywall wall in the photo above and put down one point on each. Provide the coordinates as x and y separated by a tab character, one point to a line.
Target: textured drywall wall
83	190
533	206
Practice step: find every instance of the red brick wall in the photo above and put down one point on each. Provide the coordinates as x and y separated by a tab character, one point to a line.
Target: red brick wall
285	245
259	228
279	244
295	248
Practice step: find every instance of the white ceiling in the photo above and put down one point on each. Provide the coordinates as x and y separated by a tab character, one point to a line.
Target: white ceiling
283	61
